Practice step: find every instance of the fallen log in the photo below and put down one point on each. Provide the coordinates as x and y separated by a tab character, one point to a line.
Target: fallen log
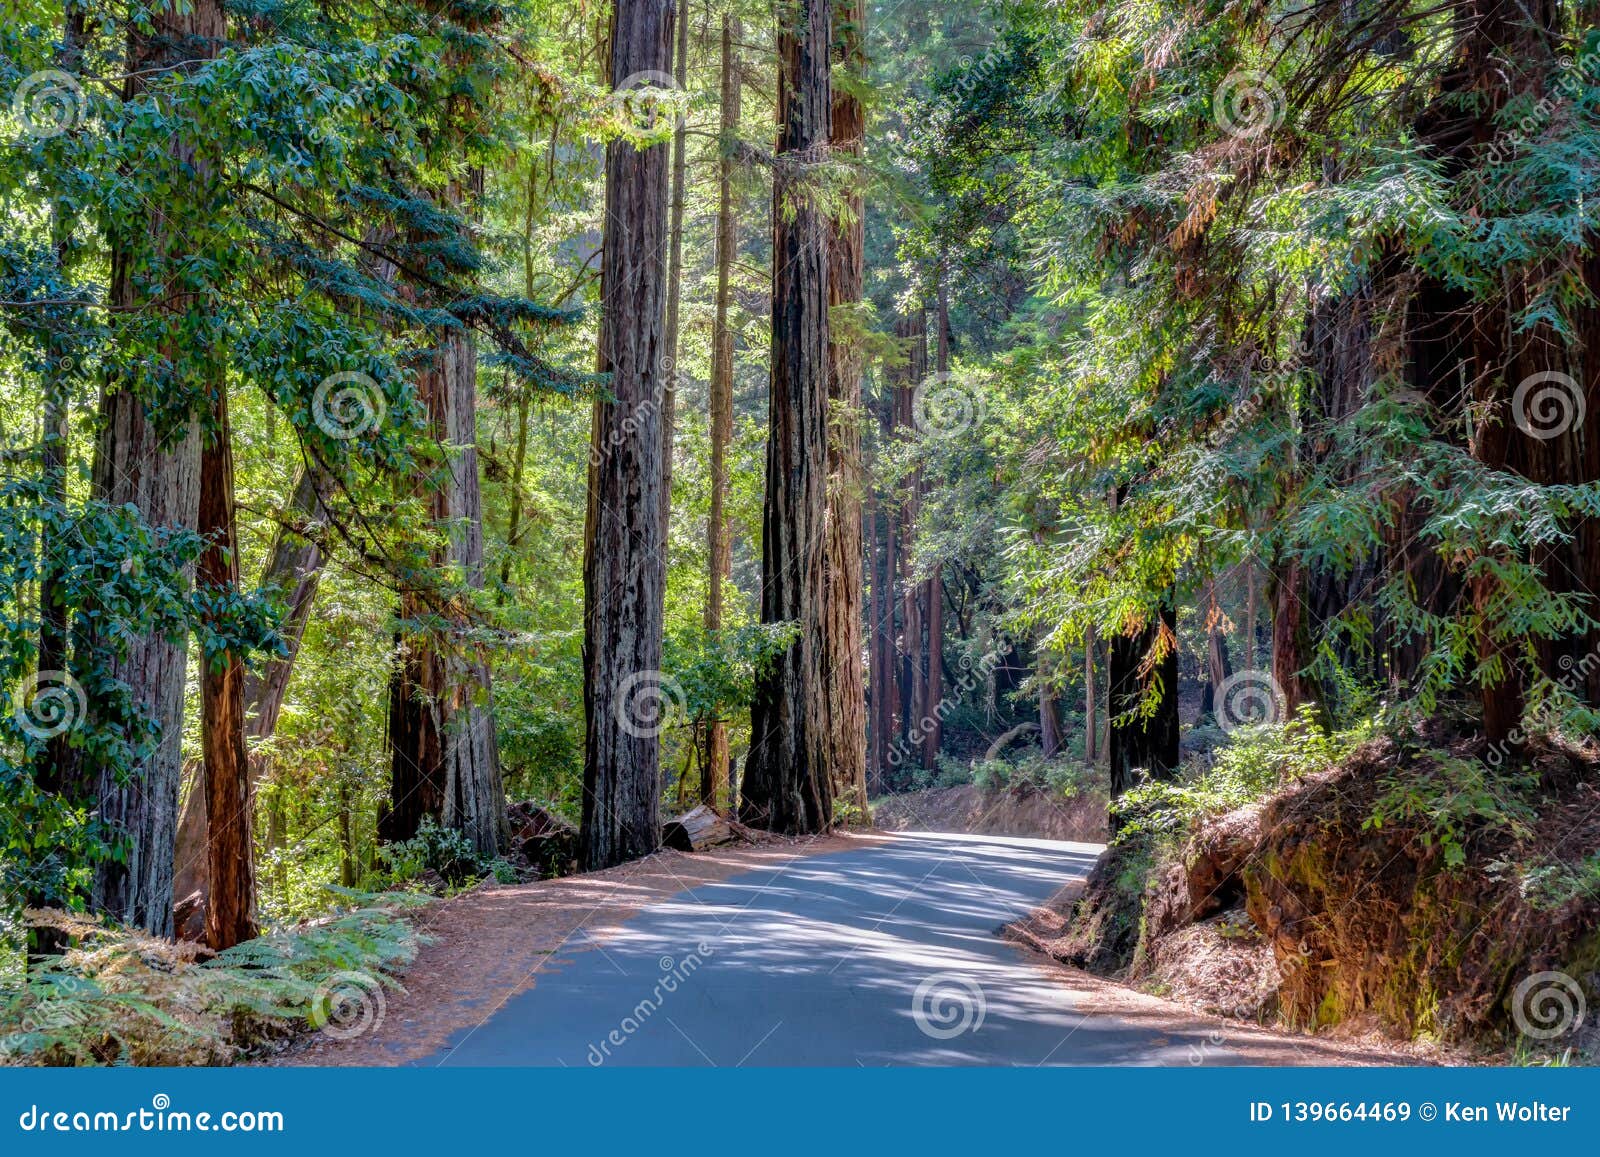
1004	741
697	830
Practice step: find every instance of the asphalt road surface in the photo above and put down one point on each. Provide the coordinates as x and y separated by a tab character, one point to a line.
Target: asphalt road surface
883	955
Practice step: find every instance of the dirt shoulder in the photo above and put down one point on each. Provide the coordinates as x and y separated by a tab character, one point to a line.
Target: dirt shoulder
492	943
1222	1037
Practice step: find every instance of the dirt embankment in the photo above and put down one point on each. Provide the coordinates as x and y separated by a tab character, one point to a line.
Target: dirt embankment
1469	913
1015	811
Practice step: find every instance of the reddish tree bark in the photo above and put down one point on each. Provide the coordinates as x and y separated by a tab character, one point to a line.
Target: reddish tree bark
230	854
787	784
444	761
844	686
624	575
714	785
293	569
157	471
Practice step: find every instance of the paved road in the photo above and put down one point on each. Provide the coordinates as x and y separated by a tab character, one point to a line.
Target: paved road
884	955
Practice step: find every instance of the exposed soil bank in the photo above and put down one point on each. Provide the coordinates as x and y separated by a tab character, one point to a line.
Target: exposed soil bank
1015	811
1467	913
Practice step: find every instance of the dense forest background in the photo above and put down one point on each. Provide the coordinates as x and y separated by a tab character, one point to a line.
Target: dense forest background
1156	402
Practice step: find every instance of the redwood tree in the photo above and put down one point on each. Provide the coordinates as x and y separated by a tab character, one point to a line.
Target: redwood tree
714	756
624	574
291	574
787	785
149	458
230	856
845	686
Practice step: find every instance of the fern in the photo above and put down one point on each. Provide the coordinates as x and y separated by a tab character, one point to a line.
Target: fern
119	996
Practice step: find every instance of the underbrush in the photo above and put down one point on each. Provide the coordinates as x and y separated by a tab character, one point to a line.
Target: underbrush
119	996
1058	776
443	853
1256	762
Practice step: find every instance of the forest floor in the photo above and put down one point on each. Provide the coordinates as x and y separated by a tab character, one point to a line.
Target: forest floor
512	971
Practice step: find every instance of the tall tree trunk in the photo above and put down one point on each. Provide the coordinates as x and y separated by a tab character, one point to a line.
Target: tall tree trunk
1049	720
1139	741
933	665
1250	614
624	574
293	568
1091	701
911	330
50	773
444	761
845	683
669	381
1218	668
885	672
933	597
714	784
1291	646
787	785
158	473
445	764
230	854
475	802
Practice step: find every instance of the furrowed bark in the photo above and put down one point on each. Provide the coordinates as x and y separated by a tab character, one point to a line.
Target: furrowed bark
669	392
157	471
787	785
230	855
445	764
844	687
623	571
714	785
